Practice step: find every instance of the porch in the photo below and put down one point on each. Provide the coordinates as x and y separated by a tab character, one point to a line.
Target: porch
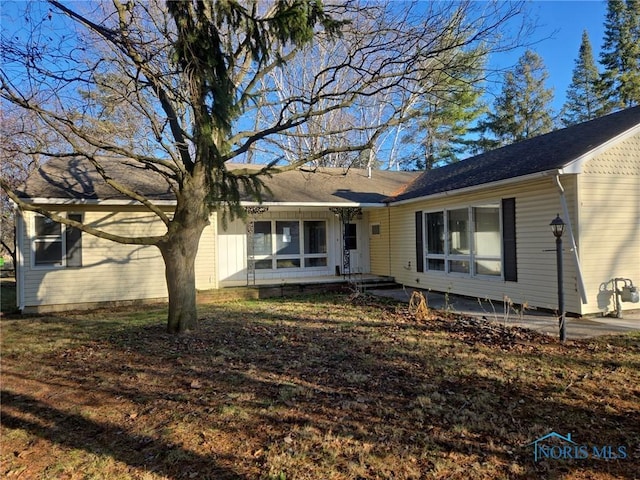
286	287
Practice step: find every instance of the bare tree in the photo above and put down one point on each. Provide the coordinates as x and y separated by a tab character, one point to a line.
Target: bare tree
455	40
203	79
20	133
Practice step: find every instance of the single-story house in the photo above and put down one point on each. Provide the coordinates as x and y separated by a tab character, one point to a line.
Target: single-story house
478	227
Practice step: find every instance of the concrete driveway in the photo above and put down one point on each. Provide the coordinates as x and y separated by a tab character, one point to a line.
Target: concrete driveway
541	321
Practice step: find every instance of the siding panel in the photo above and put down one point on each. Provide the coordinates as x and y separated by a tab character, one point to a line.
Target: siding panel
110	271
537	203
609	193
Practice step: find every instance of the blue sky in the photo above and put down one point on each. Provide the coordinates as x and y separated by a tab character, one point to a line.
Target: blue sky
558	37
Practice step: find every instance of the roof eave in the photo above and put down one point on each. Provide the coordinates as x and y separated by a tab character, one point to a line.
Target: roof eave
576	165
314	204
172	203
482	186
93	201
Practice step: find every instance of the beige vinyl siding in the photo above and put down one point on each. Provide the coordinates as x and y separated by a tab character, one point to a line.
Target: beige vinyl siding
379	254
206	276
110	271
537	203
232	252
610	223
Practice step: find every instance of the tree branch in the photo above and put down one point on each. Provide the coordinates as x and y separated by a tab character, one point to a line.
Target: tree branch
150	240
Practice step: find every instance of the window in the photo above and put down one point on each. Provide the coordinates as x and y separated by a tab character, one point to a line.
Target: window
435	240
279	244
350	238
487	240
464	241
55	244
47	245
262	238
315	244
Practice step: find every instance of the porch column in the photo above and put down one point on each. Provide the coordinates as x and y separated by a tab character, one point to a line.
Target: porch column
251	260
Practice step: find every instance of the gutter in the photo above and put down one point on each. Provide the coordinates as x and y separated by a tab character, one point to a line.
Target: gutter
172	203
75	201
314	204
574	249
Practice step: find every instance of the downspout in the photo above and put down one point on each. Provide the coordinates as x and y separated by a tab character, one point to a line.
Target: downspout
574	249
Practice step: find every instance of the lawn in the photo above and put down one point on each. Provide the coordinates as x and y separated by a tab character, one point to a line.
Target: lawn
318	387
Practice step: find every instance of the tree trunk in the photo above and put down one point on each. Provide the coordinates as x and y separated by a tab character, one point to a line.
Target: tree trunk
179	249
179	253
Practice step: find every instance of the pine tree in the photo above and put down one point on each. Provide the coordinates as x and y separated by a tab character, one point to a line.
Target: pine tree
584	99
522	110
445	112
620	54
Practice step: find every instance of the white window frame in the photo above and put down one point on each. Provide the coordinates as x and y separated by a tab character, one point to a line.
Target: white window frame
301	256
471	257
35	239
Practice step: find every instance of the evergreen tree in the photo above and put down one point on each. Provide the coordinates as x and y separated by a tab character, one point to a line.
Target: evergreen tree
522	110
446	110
584	101
620	54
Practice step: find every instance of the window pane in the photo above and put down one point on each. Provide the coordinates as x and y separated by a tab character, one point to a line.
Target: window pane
73	238
487	239
459	266
48	252
350	239
262	238
315	237
287	238
288	263
488	267
265	264
46	227
458	231
435	232
435	264
315	262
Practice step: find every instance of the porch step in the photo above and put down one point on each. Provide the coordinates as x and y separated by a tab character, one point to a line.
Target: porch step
381	286
381	283
292	289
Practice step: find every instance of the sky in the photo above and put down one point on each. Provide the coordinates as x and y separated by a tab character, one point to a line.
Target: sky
558	38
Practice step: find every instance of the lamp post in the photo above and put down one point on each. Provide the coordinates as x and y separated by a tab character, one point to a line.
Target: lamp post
557	227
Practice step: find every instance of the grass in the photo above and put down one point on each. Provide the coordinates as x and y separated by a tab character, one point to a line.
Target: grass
322	387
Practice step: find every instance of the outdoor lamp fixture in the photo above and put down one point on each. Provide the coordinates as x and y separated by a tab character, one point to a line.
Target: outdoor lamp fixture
557	227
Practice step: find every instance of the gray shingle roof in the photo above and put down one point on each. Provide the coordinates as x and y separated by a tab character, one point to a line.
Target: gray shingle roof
547	152
76	179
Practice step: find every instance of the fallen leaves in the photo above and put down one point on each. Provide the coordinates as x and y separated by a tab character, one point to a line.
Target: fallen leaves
317	388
